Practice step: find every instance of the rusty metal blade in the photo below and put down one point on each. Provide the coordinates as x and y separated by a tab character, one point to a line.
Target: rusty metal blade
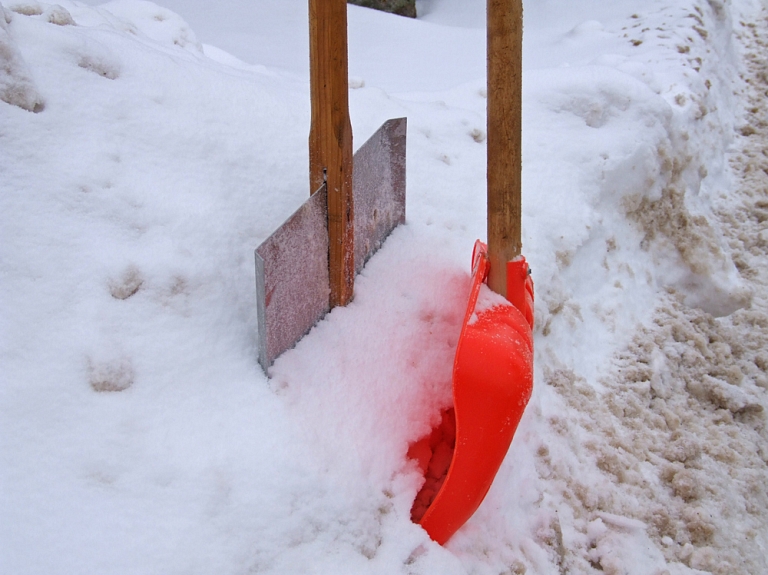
292	283
378	185
292	287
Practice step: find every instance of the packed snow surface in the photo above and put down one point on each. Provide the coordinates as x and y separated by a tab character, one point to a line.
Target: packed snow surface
146	150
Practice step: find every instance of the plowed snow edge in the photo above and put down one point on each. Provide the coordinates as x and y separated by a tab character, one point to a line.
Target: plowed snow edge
679	433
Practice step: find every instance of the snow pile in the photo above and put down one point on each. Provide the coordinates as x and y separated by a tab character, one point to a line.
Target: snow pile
649	158
16	85
139	434
678	431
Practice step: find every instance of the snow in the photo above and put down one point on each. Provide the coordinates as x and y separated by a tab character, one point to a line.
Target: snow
487	299
147	150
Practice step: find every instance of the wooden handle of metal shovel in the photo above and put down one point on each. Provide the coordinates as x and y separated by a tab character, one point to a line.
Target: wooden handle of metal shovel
505	101
330	138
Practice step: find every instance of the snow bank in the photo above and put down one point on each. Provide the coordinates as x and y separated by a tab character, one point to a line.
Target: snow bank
648	158
16	85
669	442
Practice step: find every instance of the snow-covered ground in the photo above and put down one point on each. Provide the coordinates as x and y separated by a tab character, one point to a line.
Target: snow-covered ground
145	151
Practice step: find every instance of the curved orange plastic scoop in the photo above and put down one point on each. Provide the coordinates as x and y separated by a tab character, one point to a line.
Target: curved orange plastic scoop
492	383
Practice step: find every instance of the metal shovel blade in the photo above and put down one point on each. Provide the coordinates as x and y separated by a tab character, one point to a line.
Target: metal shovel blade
292	282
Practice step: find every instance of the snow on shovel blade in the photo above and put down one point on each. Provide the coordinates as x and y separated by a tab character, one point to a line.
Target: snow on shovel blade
492	383
292	282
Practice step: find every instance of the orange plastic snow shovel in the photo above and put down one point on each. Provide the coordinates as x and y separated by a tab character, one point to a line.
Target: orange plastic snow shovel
492	382
493	366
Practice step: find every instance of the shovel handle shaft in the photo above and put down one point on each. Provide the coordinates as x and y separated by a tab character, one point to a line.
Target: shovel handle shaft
505	55
330	138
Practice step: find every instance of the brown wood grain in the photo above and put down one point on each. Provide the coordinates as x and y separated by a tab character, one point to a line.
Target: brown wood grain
505	54
330	138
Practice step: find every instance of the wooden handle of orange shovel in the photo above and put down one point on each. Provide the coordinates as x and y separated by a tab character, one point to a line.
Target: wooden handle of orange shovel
330	138
505	101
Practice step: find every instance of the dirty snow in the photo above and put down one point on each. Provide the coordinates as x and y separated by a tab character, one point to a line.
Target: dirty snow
146	150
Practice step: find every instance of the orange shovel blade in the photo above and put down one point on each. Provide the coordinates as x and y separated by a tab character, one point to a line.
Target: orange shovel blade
492	383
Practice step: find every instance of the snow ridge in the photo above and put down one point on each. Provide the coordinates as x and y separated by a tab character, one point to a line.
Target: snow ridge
679	430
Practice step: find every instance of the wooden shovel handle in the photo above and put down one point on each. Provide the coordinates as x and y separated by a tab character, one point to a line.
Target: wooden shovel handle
330	138
505	58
